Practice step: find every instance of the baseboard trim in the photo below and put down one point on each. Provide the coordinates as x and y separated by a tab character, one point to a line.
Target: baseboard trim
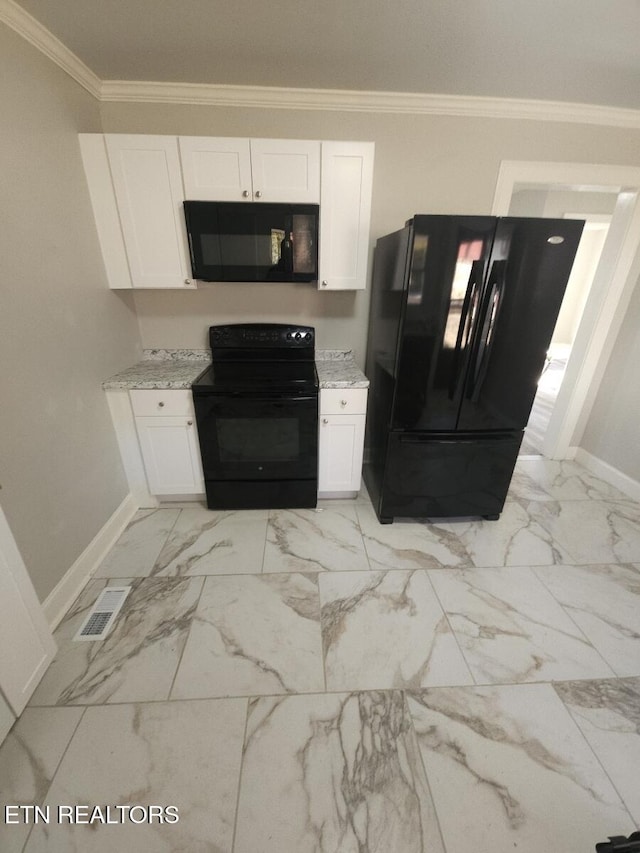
608	473
71	584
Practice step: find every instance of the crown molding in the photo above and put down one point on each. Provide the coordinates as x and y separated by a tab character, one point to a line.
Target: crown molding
341	100
25	25
374	102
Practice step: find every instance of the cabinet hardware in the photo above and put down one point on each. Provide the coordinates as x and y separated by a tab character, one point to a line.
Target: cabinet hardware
161	404
258	194
343	403
325	420
325	283
245	194
189	423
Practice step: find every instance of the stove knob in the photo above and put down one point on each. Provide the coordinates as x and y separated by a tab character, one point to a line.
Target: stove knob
298	336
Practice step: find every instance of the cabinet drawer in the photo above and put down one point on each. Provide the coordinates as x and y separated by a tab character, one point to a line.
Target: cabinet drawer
162	402
340	401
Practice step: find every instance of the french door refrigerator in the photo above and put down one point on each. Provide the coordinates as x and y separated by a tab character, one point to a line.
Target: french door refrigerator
462	313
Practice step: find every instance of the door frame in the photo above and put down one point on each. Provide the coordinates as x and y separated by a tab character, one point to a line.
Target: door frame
611	290
28	617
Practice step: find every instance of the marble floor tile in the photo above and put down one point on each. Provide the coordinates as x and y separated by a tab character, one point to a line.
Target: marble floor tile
509	770
591	531
254	635
515	539
138	658
604	601
29	758
308	540
410	544
333	774
184	754
511	629
386	630
138	547
608	714
204	542
559	480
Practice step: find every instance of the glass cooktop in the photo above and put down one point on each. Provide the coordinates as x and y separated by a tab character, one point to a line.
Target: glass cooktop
246	377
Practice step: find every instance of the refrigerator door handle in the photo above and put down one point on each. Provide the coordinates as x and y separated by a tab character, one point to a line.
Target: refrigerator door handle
488	317
457	438
465	326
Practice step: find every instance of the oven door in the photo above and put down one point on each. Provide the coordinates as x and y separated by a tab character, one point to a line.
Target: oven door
258	437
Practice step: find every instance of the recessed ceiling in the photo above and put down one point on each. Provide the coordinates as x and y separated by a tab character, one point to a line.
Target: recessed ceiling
580	51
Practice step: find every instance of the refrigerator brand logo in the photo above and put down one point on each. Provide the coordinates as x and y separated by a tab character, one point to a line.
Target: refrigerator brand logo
555	241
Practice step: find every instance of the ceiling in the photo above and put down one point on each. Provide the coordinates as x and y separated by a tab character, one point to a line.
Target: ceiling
579	51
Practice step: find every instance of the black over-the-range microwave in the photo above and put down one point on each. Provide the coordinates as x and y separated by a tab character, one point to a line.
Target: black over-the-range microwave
252	241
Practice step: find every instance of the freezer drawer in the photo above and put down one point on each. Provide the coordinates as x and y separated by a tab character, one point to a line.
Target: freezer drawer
439	475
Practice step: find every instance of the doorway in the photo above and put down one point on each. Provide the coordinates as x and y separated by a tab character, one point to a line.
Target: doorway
596	209
525	188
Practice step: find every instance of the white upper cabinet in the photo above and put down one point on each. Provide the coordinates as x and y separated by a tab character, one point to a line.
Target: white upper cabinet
345	214
147	182
286	170
105	209
270	170
138	183
215	169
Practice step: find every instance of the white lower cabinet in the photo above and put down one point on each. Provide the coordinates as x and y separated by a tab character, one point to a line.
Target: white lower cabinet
166	426
341	441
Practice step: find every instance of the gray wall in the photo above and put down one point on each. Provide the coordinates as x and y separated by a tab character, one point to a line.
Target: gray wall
612	431
61	331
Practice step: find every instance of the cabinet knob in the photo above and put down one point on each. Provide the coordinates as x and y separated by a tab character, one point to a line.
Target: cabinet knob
245	194
161	404
325	283
189	423
325	420
258	194
343	403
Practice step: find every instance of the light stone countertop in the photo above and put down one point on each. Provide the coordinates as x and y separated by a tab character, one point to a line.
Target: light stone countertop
177	369
337	369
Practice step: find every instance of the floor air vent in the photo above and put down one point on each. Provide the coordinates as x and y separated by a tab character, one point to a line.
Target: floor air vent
103	613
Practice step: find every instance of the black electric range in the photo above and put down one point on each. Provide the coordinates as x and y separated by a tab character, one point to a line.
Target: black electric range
257	415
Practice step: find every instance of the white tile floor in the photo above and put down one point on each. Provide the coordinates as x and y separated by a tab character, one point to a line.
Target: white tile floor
302	681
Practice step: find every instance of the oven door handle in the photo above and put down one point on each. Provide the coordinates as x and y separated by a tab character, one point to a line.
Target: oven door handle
259	395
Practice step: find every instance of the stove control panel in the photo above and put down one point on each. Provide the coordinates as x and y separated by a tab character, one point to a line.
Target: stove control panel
261	335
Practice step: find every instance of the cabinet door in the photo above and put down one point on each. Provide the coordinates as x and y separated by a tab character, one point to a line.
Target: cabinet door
285	170
105	209
148	185
340	447
345	214
171	455
216	168
26	644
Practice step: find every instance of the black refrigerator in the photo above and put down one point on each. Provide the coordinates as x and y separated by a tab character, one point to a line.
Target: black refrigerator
462	313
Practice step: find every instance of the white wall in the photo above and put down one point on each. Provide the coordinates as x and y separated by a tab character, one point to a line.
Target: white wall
61	331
